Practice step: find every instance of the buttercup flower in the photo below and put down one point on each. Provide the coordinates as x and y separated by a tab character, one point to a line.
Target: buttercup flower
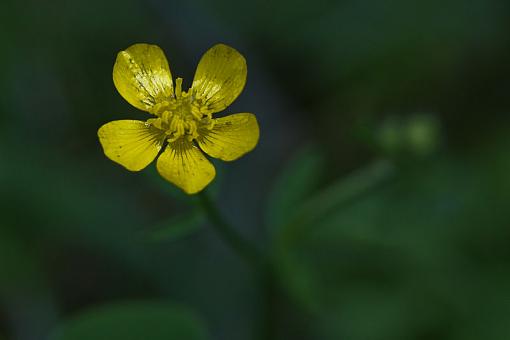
182	124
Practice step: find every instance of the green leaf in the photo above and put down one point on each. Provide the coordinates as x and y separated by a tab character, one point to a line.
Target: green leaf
177	227
371	256
335	196
133	321
300	177
346	189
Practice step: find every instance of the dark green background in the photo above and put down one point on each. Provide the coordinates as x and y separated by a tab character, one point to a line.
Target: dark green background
381	183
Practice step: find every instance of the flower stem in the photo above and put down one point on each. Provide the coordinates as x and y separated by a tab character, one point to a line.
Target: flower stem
244	248
251	254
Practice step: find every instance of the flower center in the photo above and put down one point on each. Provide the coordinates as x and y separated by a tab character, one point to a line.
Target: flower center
181	116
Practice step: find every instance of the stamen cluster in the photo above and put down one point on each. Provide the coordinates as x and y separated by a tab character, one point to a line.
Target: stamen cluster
181	116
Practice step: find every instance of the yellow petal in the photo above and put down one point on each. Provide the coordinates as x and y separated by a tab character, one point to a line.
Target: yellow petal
184	165
142	76
231	136
220	77
131	143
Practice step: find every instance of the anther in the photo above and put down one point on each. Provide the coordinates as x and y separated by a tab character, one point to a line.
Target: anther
178	87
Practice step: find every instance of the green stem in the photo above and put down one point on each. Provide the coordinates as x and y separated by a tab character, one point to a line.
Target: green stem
250	253
244	248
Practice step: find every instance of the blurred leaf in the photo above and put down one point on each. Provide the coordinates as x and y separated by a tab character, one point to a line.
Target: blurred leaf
177	227
300	177
384	311
133	321
491	319
413	257
337	194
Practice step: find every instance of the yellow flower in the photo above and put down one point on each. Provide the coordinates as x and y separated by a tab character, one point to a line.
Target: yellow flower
182	123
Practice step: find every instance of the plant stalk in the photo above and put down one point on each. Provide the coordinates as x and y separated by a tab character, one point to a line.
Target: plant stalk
241	246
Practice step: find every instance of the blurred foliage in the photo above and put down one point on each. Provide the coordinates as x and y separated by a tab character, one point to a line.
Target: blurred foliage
380	185
435	268
133	321
177	227
294	184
